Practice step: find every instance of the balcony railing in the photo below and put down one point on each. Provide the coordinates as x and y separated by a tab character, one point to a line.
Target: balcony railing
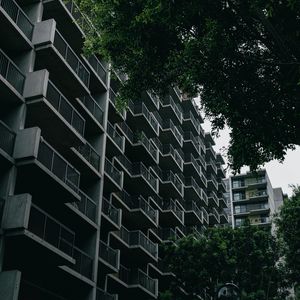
137	238
112	171
214	197
63	106
84	263
213	180
108	254
169	176
86	205
7	138
90	154
50	230
190	116
171	205
170	101
215	213
10	71
71	58
168	149
98	67
176	130
93	107
143	139
192	206
202	161
102	295
258	194
56	164
110	211
115	136
205	214
188	136
140	169
18	16
213	165
251	207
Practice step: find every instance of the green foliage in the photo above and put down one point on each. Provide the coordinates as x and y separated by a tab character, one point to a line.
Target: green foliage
247	256
288	223
241	56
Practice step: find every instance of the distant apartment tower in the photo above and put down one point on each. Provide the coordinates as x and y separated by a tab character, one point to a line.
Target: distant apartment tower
87	194
252	197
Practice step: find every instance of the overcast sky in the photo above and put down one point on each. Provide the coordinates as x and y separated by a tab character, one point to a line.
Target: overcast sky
280	174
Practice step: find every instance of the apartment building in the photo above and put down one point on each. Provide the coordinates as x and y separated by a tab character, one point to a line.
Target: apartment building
88	194
252	197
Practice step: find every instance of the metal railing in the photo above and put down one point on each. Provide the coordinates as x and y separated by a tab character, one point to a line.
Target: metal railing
253	181
213	165
71	58
171	205
170	101
168	149
93	107
55	163
114	135
110	211
258	193
86	205
202	161
102	295
63	106
140	169
50	230
90	154
251	207
213	180
188	136
10	72
138	238
7	138
191	117
192	206
98	68
16	13
214	197
215	213
108	254
83	264
112	171
205	214
171	177
176	130
143	139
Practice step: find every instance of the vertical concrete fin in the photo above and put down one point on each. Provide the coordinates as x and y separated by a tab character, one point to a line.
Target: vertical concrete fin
36	84
10	285
44	32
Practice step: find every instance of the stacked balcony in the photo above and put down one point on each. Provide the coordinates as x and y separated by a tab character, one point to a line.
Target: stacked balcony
193	168
191	143
109	258
190	123
192	191
214	216
111	216
213	199
103	295
115	177
193	214
212	182
115	142
7	142
171	110
171	133
170	213
164	235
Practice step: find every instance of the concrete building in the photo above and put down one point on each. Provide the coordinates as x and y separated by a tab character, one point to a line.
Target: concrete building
87	194
252	197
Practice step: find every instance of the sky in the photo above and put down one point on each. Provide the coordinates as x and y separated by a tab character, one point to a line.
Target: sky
280	174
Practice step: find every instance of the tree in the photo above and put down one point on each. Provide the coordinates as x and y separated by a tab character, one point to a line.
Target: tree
288	227
247	256
240	56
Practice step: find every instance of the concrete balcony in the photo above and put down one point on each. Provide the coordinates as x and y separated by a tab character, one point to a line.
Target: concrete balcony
214	217
135	210
193	214
202	162
193	192
205	215
222	202
211	154
212	183
7	143
12	82
111	216
56	55
170	214
191	143
151	100
213	199
190	105
109	258
139	146
170	110
193	168
92	112
255	209
254	196
115	143
39	162
224	219
171	134
163	235
114	176
61	123
221	171
40	235
197	231
16	27
140	118
221	185
190	123
212	167
137	177
169	157
114	114
103	295
134	245
133	283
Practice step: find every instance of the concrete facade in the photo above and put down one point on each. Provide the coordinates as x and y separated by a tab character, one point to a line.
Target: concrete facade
88	194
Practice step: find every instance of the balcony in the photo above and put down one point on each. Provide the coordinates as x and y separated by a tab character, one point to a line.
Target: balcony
7	143
87	160
221	171
109	258
212	183
193	192
111	216
164	235
212	167
205	215
45	166
170	133
115	142
151	100
134	283
140	118
221	185
170	214
191	143
256	182
136	210
222	202
114	114
257	208
213	199
201	159
134	245
211	154
102	295
214	217
12	81
98	81
224	219
137	177
39	234
114	175
193	214
190	123
170	110
192	168
60	60
16	27
254	196
61	123
92	112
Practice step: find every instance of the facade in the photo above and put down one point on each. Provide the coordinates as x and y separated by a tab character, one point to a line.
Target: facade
87	194
252	197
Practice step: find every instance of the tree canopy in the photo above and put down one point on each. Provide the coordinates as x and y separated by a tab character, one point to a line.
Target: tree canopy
240	56
247	256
